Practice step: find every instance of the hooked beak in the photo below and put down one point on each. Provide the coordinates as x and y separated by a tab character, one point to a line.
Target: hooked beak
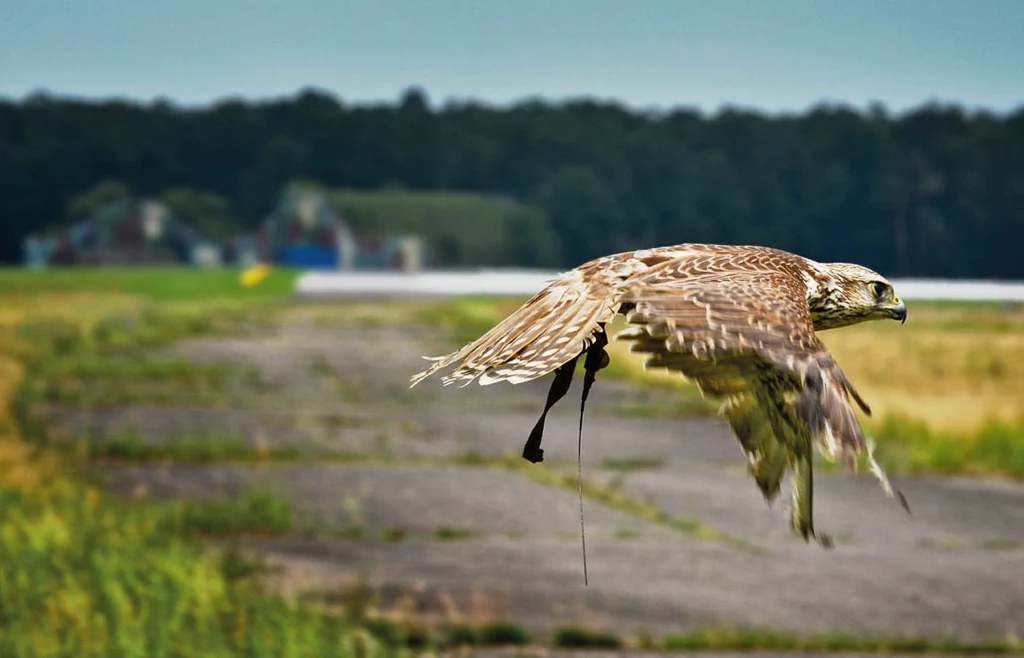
898	311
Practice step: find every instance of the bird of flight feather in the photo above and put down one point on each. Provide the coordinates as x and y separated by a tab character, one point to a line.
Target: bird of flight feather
739	321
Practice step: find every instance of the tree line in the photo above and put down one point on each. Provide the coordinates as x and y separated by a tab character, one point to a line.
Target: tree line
938	191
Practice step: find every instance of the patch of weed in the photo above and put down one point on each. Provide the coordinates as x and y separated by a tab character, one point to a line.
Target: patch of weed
393	534
469	457
632	463
352	532
503	633
576	637
460	635
95	380
255	511
397	634
757	639
949	544
452	533
1001	544
237	565
611	494
130	446
626	533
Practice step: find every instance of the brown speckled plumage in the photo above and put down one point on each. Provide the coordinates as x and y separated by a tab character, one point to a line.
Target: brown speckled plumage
740	321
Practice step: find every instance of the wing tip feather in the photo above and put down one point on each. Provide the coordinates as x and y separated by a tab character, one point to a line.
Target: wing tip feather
438	363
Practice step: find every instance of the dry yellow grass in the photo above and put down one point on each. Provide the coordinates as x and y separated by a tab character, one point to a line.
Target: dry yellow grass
16	467
953	367
20	465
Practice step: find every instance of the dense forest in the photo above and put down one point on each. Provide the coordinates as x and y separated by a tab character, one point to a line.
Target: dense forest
934	192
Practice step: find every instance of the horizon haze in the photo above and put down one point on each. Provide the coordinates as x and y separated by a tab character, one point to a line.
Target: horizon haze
656	56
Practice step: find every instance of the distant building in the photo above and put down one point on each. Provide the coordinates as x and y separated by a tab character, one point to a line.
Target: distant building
306	231
123	232
303	231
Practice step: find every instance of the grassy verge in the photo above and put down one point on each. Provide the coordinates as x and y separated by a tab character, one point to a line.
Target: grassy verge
256	511
575	637
101	354
84	575
737	639
96	383
638	463
912	446
108	361
197	449
80	576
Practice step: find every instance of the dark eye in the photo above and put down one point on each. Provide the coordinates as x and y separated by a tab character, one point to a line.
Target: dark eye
878	289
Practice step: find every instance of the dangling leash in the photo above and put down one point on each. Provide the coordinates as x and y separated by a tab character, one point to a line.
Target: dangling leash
596	358
532	451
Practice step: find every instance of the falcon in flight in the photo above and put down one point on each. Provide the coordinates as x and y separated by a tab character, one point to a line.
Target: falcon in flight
740	321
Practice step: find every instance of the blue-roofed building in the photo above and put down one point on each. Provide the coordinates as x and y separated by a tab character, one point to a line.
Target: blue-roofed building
305	231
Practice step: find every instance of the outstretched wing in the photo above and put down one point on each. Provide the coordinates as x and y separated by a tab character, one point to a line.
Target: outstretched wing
748	337
563	319
551	328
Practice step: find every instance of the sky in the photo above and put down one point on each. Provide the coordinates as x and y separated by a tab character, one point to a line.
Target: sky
772	55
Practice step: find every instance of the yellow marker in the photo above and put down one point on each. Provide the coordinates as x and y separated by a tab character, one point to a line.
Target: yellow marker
254	275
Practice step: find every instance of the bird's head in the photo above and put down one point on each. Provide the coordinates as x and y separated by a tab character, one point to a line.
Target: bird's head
854	294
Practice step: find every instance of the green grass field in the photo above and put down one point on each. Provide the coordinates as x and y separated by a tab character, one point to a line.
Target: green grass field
155	283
